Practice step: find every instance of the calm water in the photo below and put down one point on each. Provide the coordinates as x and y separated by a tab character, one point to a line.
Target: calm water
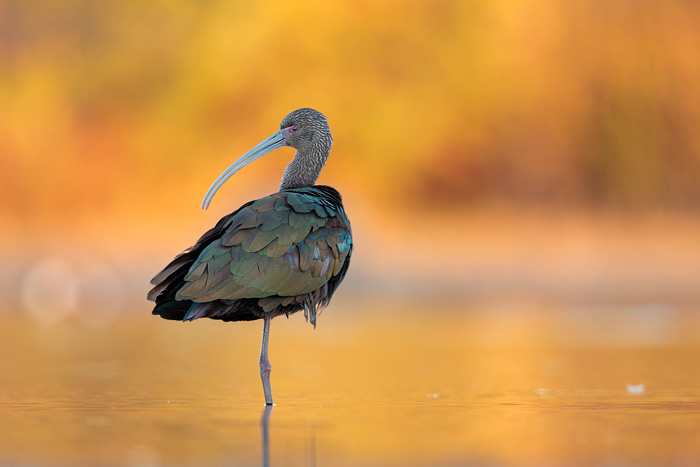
372	385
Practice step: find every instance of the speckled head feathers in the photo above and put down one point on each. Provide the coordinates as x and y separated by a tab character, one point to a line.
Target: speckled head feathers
311	126
310	135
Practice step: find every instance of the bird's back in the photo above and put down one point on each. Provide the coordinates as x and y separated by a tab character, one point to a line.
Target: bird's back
280	254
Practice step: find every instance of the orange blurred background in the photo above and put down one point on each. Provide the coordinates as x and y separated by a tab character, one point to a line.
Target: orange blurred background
523	181
498	150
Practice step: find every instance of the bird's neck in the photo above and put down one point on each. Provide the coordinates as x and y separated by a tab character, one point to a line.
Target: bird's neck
304	169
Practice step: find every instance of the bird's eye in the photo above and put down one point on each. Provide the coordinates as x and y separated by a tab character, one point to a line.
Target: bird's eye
293	129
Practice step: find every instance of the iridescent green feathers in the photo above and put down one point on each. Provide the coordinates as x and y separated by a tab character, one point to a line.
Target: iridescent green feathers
281	250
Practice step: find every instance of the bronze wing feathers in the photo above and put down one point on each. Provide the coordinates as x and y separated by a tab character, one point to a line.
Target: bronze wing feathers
278	249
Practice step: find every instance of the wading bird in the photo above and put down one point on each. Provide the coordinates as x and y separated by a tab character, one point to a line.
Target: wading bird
275	256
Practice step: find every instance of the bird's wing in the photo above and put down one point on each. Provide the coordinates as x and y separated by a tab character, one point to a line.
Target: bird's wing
286	244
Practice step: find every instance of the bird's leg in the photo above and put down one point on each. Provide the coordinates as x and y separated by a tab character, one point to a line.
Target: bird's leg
265	366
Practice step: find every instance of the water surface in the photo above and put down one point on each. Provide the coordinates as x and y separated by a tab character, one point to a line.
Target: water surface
372	385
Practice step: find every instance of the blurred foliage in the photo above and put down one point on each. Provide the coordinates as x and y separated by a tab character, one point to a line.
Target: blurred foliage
578	104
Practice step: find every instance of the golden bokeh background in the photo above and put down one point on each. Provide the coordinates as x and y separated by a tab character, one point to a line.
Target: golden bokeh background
523	181
492	142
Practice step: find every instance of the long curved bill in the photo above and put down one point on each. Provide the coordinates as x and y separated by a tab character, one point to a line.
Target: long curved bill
270	144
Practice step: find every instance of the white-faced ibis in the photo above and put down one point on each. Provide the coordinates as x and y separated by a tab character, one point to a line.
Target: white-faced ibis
275	256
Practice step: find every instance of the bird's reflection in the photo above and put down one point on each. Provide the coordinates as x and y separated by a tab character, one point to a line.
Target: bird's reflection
307	442
265	430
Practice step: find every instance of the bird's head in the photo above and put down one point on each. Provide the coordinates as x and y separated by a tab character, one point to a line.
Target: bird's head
306	130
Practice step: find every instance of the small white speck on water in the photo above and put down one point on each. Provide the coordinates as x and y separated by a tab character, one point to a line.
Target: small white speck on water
432	396
635	389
